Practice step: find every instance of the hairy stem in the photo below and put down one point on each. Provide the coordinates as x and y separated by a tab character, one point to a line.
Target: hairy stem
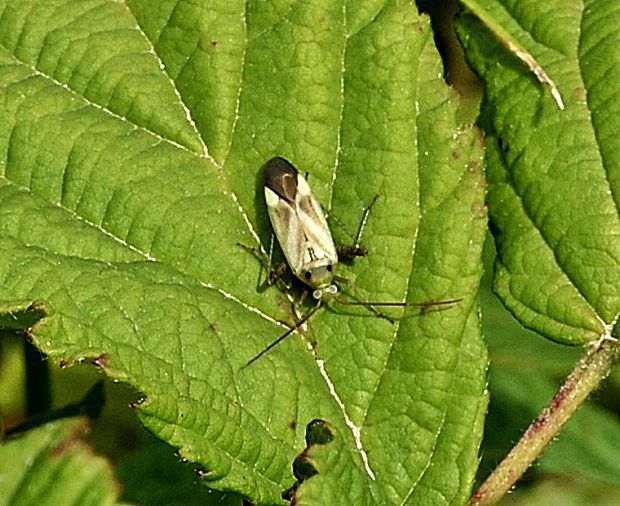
590	371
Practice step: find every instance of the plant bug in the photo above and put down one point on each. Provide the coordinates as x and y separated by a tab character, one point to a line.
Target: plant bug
300	227
302	231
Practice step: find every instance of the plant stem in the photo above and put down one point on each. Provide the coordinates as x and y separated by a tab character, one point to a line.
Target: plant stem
590	371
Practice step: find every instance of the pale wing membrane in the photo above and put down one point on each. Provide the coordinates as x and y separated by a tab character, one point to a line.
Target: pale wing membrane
289	233
317	243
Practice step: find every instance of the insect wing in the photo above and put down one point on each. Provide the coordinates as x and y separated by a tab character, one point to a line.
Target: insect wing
319	241
297	217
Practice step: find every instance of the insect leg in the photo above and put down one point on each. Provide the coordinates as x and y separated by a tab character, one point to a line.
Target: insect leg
285	335
360	230
274	274
357	249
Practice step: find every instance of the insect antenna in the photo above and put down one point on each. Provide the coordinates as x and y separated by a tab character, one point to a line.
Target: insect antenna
367	305
424	306
285	335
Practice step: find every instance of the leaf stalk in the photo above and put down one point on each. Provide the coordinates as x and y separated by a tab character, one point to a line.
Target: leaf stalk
587	375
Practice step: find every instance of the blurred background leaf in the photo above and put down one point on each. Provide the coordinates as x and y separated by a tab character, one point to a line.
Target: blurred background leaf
52	464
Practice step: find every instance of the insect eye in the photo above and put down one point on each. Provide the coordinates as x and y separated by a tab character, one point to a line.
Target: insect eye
307	274
329	267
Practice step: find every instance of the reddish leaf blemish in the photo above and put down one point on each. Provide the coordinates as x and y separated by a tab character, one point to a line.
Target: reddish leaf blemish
100	361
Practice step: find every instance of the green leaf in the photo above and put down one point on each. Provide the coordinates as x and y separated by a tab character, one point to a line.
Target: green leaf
554	175
327	461
53	465
133	139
